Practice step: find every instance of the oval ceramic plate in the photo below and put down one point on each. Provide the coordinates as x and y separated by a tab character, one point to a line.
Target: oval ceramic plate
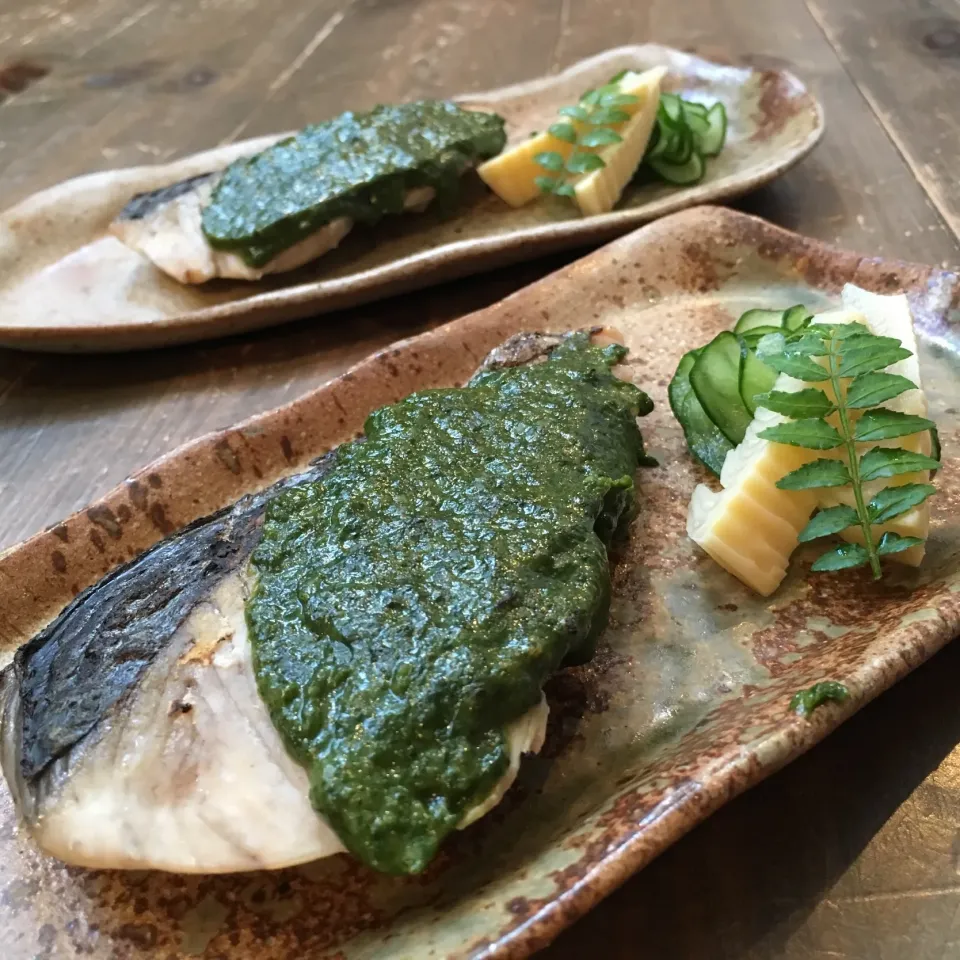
685	705
66	285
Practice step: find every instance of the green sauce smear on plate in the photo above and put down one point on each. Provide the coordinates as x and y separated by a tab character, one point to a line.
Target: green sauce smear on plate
804	702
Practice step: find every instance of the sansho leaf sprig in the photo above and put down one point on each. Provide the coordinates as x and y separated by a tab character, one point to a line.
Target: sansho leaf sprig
588	125
850	361
684	135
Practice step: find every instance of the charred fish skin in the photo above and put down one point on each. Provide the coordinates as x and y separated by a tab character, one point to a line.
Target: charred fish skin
142	205
68	677
164	226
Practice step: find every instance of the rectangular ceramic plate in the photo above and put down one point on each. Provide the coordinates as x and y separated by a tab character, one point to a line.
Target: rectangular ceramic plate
66	285
685	705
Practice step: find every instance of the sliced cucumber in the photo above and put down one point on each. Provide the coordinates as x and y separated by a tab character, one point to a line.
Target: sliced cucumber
673	146
655	144
759	318
712	141
703	438
755	378
796	318
715	378
696	121
659	143
682	149
754	336
671	110
771	321
686	133
679	174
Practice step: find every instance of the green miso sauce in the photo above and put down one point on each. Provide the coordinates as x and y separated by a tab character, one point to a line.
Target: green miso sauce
412	602
357	165
804	702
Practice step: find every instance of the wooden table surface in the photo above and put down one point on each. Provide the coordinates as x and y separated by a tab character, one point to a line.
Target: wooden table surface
853	851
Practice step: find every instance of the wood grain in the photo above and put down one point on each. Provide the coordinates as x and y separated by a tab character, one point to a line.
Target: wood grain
905	60
850	852
178	77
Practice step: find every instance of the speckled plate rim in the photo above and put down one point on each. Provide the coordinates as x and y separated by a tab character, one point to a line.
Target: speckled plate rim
427	266
209	472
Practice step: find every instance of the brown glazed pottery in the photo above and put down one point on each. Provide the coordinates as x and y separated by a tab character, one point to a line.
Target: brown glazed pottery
67	285
685	705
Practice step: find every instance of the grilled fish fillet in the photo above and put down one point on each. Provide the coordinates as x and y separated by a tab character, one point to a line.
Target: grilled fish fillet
131	731
186	772
164	226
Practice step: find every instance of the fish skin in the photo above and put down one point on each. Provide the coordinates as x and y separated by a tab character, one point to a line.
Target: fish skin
63	681
187	773
141	205
91	708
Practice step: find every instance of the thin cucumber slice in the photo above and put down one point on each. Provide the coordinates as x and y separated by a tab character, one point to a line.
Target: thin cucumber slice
680	175
660	142
715	378
759	318
755	378
703	438
691	106
711	142
671	109
698	123
680	148
796	318
754	336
